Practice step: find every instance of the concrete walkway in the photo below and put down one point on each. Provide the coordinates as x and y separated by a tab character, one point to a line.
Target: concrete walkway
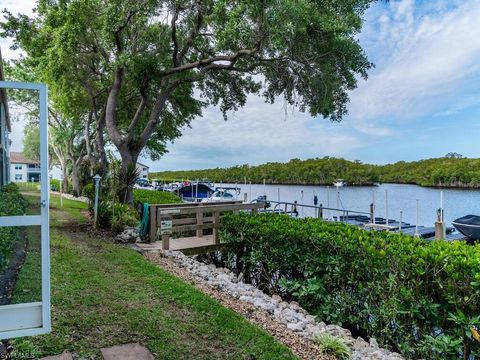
120	352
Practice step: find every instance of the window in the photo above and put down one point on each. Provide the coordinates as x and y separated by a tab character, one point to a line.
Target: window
18	167
144	176
18	177
144	169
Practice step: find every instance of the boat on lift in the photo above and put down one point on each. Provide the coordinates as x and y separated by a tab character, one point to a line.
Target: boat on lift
469	226
339	183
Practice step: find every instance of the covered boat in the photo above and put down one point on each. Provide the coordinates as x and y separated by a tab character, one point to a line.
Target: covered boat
195	192
469	226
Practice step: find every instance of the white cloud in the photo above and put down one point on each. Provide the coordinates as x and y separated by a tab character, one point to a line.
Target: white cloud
428	62
257	133
15	7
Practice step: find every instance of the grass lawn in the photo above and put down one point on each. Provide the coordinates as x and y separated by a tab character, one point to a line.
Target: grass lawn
105	294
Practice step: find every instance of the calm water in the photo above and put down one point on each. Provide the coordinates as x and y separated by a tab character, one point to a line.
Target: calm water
456	203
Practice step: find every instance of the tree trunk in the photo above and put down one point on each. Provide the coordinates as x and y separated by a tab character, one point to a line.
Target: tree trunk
75	180
65	179
101	163
128	156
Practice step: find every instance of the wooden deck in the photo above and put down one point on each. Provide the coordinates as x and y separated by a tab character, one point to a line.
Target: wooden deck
188	245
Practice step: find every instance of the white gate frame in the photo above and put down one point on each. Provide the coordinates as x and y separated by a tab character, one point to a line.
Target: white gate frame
31	319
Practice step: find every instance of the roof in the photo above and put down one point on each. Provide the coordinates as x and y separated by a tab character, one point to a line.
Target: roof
143	165
18	158
3	95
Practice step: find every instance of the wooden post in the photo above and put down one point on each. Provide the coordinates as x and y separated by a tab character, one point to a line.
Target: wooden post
320	212
153	223
165	242
216	225
199	222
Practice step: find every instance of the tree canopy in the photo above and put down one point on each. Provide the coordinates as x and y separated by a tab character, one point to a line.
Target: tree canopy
140	71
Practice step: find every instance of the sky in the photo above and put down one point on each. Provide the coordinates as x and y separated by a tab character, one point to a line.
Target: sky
421	100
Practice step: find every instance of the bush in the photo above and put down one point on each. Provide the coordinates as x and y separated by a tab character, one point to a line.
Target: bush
331	345
89	191
55	185
412	295
116	216
12	203
154	197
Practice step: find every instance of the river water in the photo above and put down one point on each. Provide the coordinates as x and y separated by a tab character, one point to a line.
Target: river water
456	202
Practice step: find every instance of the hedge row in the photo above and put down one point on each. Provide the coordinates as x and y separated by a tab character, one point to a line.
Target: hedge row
155	197
416	297
11	203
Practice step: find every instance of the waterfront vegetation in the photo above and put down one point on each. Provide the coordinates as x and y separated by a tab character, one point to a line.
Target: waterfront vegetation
448	171
416	297
105	294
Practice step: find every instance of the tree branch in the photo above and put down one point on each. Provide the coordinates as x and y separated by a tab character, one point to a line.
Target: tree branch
137	117
213	59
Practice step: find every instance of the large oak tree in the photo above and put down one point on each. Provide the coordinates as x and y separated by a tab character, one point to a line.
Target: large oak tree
148	67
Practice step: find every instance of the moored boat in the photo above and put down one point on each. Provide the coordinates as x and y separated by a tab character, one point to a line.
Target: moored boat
469	226
339	183
224	194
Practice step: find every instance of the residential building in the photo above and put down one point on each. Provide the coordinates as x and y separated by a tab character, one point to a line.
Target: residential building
23	169
5	129
144	169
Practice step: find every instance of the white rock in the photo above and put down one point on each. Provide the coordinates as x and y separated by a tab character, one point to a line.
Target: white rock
296	326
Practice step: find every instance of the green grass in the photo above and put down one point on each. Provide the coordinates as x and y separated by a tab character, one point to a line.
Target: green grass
28	286
105	294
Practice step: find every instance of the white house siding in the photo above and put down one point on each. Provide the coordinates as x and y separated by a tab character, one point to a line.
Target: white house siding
144	169
19	172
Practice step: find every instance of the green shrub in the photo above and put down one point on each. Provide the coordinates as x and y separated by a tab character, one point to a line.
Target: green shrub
12	203
332	345
55	185
116	216
154	197
89	191
401	290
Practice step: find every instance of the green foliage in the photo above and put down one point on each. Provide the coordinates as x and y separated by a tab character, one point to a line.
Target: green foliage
154	197
127	178
322	171
12	203
332	345
158	75
31	141
449	171
89	191
116	216
404	291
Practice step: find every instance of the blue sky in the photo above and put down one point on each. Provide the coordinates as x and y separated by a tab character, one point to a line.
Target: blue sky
421	100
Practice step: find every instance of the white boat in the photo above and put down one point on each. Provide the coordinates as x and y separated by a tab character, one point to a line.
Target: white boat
339	183
143	184
223	194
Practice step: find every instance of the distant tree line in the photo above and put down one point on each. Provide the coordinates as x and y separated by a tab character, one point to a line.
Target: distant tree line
448	171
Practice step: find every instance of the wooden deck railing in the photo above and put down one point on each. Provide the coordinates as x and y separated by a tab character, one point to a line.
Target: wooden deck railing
173	218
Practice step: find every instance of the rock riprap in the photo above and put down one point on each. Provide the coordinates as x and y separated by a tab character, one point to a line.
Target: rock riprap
292	315
129	235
